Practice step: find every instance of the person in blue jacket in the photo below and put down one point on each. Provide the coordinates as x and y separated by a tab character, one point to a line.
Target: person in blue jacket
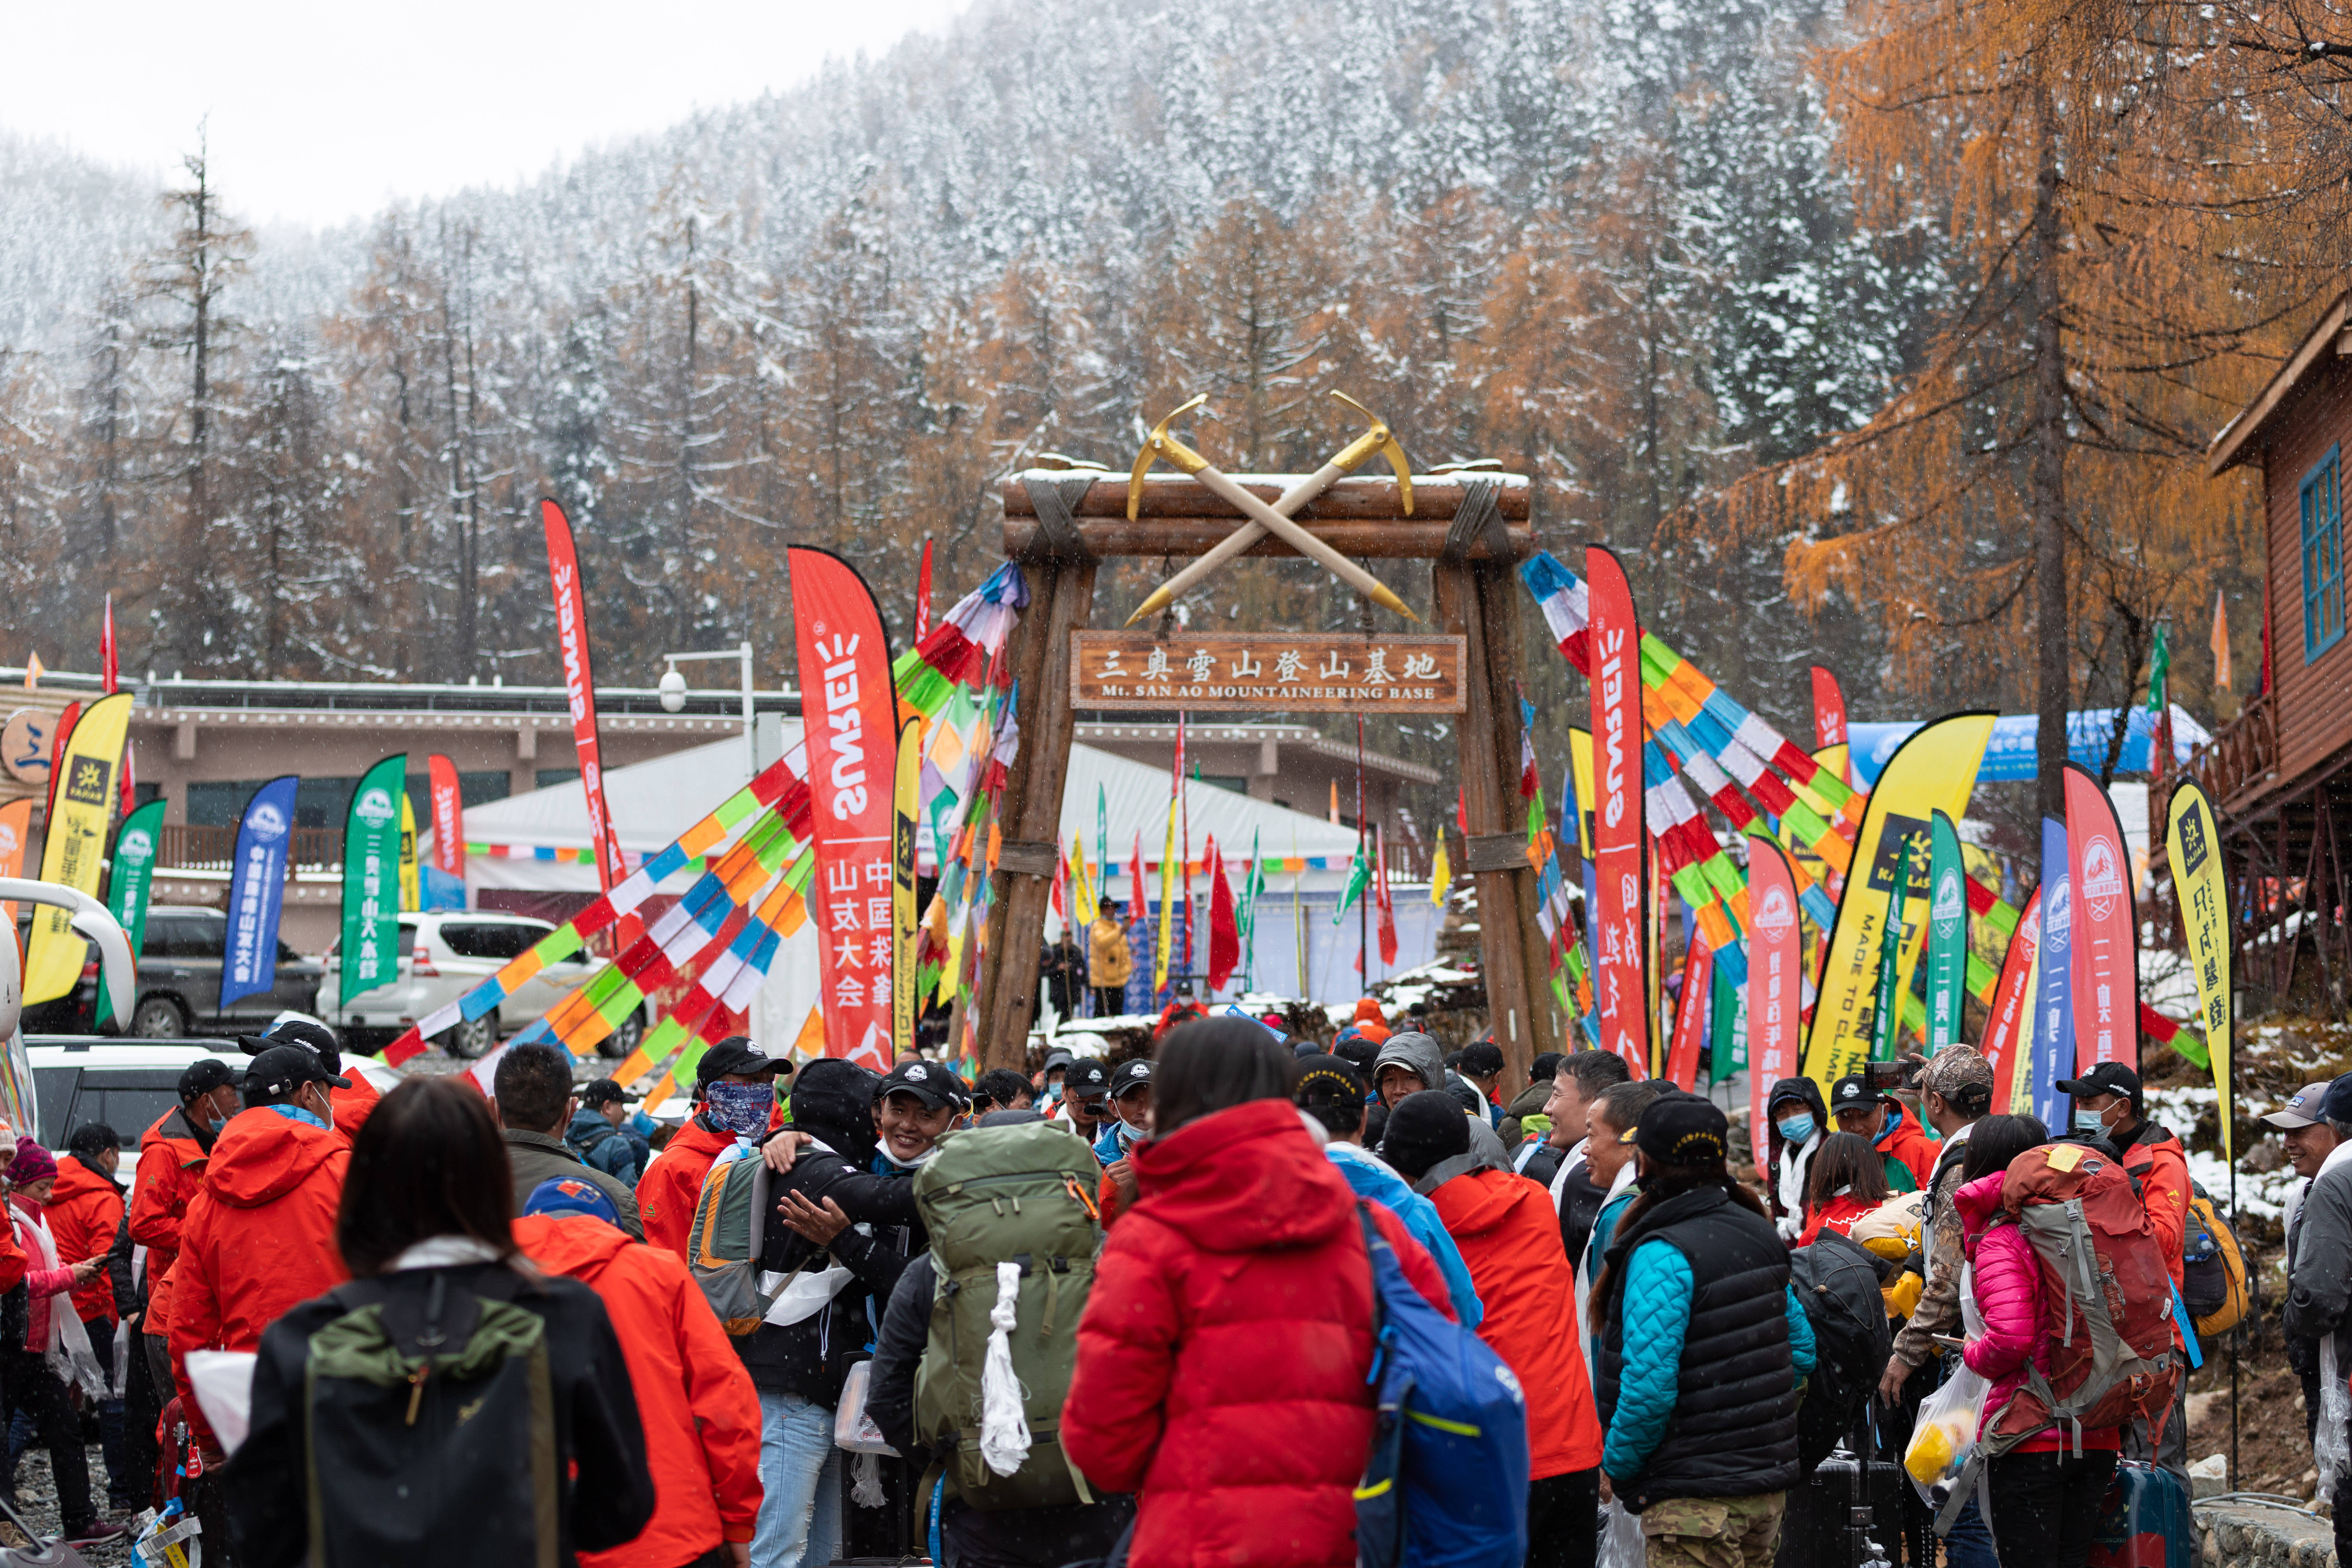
1130	1122
1703	1348
605	1134
1330	1092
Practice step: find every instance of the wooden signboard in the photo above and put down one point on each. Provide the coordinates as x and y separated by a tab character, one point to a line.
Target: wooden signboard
1226	673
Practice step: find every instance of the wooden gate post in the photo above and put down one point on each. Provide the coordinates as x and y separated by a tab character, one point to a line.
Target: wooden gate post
1476	600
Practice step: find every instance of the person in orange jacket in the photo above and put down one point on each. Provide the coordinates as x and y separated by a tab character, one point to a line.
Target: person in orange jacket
700	1412
259	1235
351	1102
1909	1153
1509	1238
672	1185
171	1156
84	1212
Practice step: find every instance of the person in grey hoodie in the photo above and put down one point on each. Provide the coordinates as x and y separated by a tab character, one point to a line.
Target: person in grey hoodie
1410	1062
2319	1283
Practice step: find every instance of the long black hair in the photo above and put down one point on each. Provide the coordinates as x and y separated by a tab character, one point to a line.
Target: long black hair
1846	1160
1215	1064
1995	1141
429	1162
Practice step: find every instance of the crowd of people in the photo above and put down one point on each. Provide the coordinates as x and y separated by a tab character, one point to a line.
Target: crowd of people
1099	1311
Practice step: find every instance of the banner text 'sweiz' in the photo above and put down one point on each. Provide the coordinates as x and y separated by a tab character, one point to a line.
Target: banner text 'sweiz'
448	815
256	891
81	809
849	712
370	956
1621	941
580	685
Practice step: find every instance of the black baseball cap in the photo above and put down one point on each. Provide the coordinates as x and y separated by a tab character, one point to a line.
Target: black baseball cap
606	1091
1086	1079
734	1057
297	1032
1328	1080
2338	1105
1852	1092
1057	1058
1681	1129
2107	1078
278	1071
1128	1075
936	1086
1480	1058
203	1076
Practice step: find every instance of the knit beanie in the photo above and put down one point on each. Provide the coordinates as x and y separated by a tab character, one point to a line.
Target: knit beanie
32	1163
1423	1129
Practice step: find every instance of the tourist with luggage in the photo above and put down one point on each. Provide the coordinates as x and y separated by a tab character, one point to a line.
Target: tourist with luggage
1702	1347
1848	1180
931	1393
449	1404
1503	1224
531	1092
1235	1298
1796	1122
697	1404
51	1364
734	1102
2319	1283
605	1137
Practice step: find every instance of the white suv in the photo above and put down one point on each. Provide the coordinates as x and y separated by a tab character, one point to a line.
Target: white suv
445	954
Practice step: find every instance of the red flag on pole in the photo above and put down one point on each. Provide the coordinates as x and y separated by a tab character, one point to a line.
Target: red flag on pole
1224	930
923	594
1829	709
1776	971
2106	959
1690	1013
110	669
1383	902
1620	956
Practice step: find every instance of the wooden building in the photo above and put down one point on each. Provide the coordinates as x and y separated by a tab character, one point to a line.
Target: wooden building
2281	773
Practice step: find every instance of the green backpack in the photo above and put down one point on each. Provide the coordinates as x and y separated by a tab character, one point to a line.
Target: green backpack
723	1248
1022	1195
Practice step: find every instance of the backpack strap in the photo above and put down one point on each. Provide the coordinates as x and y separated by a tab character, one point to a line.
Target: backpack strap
1372	1240
1444	1171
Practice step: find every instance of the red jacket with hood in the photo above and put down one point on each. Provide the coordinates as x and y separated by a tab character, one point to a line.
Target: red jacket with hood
85	1210
259	1236
700	1412
1903	1139
171	1170
1509	1236
1222	1354
2021	1321
672	1185
355	1104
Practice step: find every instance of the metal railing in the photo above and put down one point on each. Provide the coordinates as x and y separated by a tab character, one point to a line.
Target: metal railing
184	847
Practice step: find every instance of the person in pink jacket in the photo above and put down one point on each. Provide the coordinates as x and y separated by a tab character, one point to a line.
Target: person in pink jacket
2045	1497
29	1368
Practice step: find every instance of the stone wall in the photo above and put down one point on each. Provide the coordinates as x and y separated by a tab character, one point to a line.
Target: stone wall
2237	1532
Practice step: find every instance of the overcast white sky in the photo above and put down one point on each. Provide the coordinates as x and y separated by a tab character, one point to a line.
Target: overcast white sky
322	113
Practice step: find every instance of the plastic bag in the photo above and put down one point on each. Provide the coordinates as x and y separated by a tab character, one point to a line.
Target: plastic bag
1943	1434
2328	1450
853	1429
1620	1537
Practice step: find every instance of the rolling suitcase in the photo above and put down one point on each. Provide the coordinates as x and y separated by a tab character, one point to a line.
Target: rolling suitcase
2145	1523
1842	1516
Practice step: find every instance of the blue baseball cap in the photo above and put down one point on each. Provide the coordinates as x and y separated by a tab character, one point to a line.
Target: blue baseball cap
566	1195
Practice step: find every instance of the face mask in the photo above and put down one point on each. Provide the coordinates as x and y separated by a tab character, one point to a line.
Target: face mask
1797	1128
742	1108
2090	1121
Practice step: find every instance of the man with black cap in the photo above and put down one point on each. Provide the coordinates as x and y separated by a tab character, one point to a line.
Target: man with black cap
259	1235
2320	1279
2310	1140
1482	1067
171	1156
1874	1114
1086	1099
1129	1106
531	1091
601	1134
353	1102
734	1093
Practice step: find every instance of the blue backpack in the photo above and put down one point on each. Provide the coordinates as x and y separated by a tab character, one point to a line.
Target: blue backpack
1446	1485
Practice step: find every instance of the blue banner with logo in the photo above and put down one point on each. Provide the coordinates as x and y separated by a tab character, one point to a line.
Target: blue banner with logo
2053	997
257	891
2013	754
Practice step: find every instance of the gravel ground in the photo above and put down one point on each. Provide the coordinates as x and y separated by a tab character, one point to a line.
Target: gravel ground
37	1501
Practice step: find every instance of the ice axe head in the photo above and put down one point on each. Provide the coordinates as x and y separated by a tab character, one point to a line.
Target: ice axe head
1379	438
1161	444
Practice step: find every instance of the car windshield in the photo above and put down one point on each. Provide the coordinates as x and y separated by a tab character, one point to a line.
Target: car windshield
501	941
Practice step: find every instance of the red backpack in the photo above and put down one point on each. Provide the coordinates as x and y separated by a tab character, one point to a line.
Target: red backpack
2106	1273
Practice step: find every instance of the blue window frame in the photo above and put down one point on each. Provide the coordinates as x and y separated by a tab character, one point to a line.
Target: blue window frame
2323	557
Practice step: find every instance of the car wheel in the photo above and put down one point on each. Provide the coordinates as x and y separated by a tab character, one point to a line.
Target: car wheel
625	1039
158	1018
472	1038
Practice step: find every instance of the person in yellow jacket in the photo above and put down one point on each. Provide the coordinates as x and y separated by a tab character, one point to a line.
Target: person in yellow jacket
1108	961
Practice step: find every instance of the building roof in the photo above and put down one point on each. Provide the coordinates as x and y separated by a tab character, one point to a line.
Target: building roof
406	696
2330	338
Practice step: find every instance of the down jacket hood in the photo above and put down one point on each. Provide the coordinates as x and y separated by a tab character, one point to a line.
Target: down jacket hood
1976	1202
1415	1051
1803	1088
1476	1203
260	1156
575	1245
1243	1179
835	1100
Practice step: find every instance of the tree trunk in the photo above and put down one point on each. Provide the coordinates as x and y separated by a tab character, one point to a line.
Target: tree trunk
2051	684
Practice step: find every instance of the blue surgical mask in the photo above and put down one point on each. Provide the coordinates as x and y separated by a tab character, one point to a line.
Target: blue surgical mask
741	1109
1797	1128
2090	1121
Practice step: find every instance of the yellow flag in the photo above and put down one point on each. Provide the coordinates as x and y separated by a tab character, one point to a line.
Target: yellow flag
2193	844
1441	872
1580	761
1081	885
906	808
74	842
411	893
1165	944
1933	769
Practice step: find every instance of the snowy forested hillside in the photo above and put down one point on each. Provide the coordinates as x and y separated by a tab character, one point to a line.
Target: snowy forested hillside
1605	241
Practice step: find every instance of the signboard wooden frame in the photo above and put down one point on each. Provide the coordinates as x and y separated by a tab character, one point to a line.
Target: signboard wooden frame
1261	672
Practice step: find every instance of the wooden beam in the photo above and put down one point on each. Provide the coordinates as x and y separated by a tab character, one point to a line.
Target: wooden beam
1416	539
1359	517
1370	497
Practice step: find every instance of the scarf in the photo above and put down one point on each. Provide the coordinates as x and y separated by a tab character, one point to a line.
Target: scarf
1796	1164
445	1252
66	1347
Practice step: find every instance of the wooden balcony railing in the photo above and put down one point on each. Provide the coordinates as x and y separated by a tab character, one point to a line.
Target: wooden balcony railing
189	848
2241	755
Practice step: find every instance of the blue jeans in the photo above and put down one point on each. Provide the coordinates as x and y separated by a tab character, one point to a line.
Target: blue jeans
800	1476
1969	1545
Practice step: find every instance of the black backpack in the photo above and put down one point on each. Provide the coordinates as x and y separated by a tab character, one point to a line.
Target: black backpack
1836	1281
430	1424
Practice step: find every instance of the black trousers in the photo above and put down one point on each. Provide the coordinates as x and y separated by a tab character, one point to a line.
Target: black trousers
1564	1520
2047	1506
40	1393
142	1407
1110	1001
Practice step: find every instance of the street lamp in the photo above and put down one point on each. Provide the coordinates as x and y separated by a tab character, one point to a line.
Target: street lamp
673	692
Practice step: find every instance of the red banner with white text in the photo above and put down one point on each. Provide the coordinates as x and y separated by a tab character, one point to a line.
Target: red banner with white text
2011	1008
849	711
448	815
1776	969
580	685
1829	709
1621	944
2105	960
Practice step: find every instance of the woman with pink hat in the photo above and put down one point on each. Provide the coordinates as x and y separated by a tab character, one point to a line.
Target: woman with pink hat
46	1351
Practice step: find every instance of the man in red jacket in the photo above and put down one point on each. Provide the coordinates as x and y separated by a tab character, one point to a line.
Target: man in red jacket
84	1212
672	1185
353	1102
171	1156
1909	1153
701	1413
1508	1236
260	1234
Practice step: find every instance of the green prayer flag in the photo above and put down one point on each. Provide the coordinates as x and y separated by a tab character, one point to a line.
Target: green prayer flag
2159	671
1359	876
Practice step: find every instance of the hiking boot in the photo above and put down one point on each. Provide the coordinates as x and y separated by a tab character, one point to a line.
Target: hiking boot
95	1532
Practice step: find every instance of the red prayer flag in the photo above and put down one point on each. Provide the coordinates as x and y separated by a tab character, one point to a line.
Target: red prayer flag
1224	930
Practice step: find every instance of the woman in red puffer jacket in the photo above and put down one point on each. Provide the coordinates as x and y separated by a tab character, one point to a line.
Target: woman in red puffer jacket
2042	1492
1223	1353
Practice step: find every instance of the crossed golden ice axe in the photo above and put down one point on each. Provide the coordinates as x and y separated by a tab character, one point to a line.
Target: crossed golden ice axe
1274	518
